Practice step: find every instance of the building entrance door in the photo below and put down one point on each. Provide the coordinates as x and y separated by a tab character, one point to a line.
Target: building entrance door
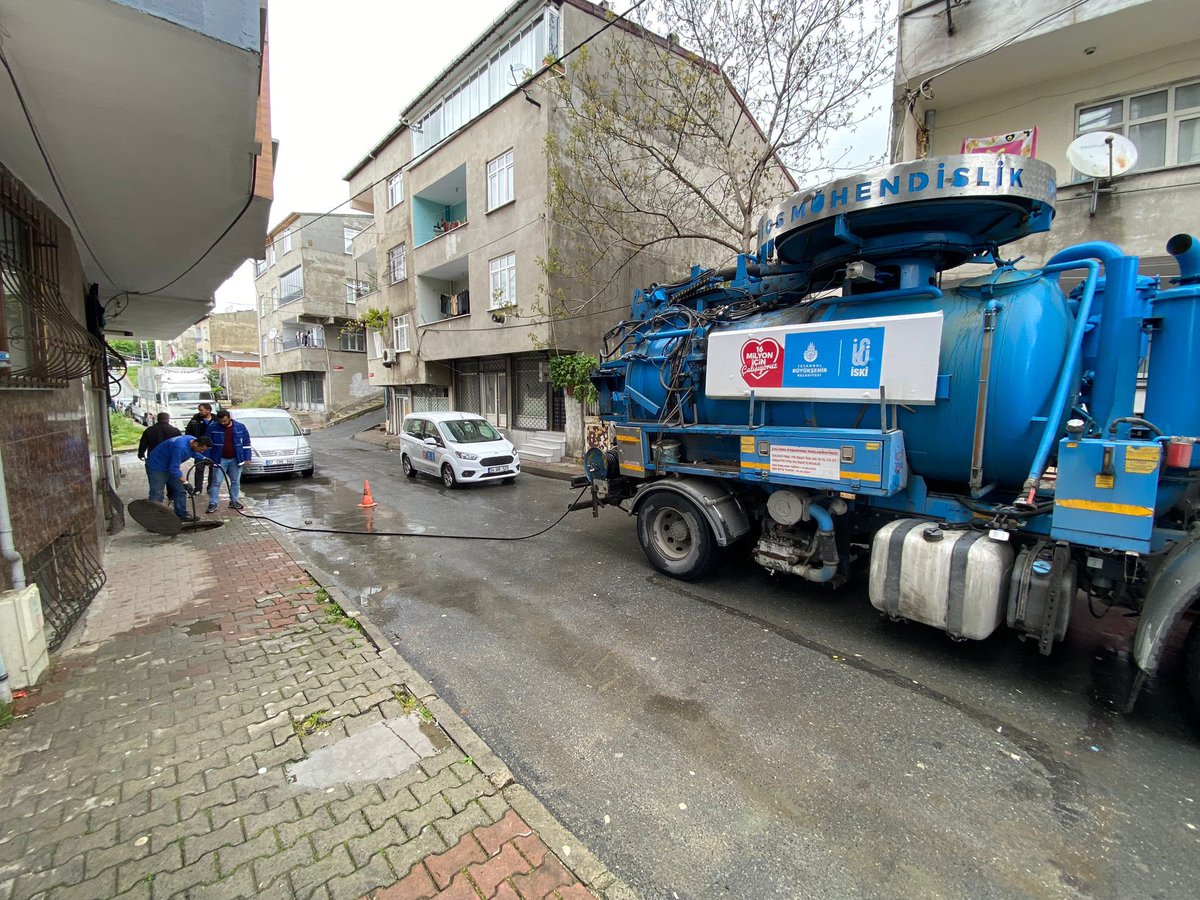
494	388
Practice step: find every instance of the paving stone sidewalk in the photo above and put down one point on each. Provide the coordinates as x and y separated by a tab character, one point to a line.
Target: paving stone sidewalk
218	729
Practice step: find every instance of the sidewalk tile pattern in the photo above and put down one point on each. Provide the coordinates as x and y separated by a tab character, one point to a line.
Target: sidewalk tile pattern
153	762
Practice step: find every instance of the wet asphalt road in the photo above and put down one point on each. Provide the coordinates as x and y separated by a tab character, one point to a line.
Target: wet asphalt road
751	736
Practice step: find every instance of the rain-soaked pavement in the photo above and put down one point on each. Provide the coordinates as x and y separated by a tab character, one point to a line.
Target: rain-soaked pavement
757	737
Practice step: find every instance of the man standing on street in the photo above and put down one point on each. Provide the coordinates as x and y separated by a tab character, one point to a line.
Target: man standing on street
157	433
197	426
163	470
230	452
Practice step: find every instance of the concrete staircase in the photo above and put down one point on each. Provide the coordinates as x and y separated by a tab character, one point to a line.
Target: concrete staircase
543	446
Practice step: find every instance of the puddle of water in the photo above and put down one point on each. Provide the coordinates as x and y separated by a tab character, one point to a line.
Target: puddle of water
204	626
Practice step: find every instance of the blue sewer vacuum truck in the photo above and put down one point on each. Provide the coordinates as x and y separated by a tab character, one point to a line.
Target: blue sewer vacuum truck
988	449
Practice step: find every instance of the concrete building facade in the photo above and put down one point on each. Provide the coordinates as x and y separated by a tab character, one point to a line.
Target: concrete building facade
463	231
1125	66
309	289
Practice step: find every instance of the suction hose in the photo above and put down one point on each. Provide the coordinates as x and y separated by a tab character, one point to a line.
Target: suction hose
1186	250
826	544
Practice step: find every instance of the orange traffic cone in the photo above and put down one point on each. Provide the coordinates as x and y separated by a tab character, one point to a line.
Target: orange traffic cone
367	500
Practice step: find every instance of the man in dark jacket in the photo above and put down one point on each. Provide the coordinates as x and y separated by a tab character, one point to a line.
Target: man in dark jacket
197	426
156	434
164	472
230	452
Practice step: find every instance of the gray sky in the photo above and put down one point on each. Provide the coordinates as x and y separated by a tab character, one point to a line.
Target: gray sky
340	74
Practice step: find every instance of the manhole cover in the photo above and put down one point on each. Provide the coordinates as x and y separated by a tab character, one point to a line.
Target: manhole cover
154	517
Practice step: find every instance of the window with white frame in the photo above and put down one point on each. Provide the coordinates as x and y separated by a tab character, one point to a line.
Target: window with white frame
503	271
395	190
500	180
271	254
1164	124
506	67
260	266
398	263
348	236
356	289
400	333
353	339
291	285
285	241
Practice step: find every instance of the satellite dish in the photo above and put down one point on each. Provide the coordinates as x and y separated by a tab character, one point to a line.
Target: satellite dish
1102	154
272	334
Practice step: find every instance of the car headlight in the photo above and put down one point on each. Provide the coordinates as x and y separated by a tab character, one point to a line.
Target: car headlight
461	454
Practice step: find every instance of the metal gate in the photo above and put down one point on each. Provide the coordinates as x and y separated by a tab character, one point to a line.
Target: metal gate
68	577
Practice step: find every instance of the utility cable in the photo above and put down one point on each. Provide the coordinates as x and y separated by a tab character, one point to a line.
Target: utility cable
413	534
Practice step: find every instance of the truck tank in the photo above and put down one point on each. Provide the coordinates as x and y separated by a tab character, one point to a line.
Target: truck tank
1021	318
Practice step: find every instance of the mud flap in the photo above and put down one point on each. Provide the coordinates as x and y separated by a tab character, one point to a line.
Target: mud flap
1173	589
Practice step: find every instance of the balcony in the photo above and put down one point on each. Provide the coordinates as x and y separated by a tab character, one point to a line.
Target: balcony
443	292
440	208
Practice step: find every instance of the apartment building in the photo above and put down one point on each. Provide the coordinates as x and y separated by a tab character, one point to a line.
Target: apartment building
236	331
459	193
152	176
309	288
971	70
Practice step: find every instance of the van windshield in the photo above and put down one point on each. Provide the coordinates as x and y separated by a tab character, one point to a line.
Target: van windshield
274	426
189	396
471	431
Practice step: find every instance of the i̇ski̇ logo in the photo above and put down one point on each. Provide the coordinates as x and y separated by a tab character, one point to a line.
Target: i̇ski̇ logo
762	363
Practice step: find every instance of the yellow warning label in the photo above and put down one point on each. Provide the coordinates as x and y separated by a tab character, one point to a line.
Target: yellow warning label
747	445
1117	509
873	445
1141	460
1104	481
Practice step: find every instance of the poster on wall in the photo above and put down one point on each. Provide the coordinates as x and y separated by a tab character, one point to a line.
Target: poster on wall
1018	143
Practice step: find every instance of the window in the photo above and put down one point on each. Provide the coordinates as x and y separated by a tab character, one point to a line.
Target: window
291	285
504	281
1163	124
353	339
348	236
395	190
398	263
500	180
271	254
260	266
285	241
506	67
400	333
356	289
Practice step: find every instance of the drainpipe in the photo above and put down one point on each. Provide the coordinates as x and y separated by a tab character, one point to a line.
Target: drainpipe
9	552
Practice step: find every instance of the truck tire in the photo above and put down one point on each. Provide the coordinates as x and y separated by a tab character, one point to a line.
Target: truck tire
675	537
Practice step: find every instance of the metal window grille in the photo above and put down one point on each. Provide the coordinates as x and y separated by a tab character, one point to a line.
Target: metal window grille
68	577
529	391
428	398
466	386
47	345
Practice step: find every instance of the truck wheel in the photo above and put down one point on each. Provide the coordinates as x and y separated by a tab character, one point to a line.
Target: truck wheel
675	538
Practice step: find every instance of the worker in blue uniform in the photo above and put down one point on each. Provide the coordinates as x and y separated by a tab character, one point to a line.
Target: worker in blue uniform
164	472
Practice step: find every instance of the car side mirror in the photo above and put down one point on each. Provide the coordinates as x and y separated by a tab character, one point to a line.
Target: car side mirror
430	442
306	431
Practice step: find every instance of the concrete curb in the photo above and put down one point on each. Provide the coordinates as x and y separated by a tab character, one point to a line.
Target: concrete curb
571	851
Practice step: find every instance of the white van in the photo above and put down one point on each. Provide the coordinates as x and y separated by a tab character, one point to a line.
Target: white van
456	447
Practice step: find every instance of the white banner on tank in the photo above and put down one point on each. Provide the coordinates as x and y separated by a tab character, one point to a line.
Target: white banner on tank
832	361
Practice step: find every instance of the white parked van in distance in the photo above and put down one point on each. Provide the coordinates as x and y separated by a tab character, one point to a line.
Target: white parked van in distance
457	447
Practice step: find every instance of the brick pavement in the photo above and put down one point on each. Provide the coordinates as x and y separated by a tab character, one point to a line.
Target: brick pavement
160	757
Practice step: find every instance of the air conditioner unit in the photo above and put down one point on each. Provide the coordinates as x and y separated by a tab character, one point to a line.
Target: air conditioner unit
389	358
